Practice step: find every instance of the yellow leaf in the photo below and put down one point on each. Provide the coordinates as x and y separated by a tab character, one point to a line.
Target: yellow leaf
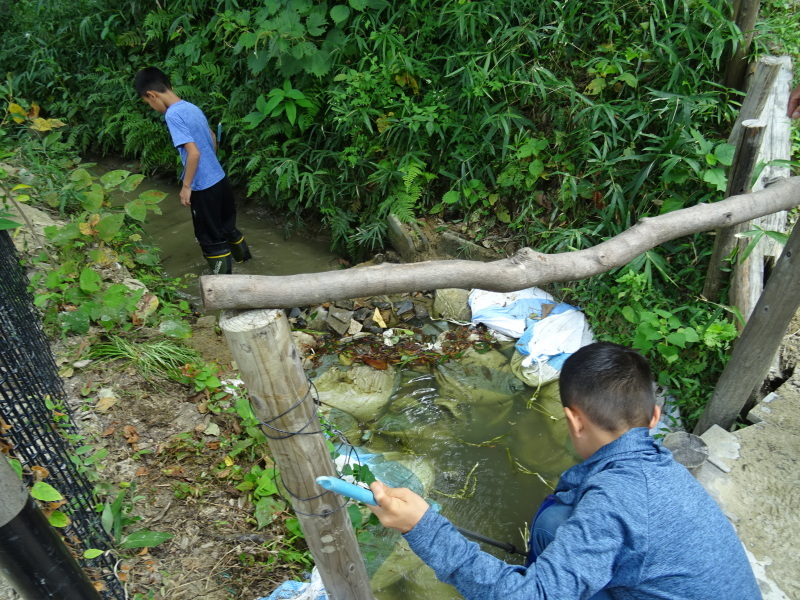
229	461
56	123
40	124
378	318
16	109
105	399
19	186
34	111
85	228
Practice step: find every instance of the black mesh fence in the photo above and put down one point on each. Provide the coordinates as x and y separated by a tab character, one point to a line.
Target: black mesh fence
35	420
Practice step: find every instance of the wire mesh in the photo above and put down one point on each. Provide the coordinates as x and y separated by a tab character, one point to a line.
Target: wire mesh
35	420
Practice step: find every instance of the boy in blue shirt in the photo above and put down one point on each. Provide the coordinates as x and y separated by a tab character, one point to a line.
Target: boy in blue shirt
627	523
205	187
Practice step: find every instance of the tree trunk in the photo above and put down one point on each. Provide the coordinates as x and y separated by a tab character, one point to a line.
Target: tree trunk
745	14
754	350
525	269
280	393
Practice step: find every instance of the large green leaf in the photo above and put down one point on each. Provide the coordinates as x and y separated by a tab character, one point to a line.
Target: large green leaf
45	492
340	13
109	226
114	178
144	539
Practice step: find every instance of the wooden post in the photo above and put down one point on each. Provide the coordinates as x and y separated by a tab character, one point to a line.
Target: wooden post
754	350
741	173
758	94
748	276
280	393
745	14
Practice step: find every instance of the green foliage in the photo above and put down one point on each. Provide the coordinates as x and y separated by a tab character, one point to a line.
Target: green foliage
117	517
533	116
686	346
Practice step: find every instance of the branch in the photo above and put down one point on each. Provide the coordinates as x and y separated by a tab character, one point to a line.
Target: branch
524	269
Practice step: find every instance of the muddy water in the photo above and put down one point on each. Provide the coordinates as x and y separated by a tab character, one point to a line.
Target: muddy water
493	462
181	255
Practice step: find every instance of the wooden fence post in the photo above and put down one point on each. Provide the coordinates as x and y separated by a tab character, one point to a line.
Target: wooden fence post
756	347
281	396
745	14
744	162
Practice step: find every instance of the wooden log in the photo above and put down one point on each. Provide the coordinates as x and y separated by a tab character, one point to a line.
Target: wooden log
745	14
525	269
754	350
758	93
280	394
748	276
739	178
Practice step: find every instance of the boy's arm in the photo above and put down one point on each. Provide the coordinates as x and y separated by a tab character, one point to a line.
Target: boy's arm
574	565
794	103
213	139
398	508
192	160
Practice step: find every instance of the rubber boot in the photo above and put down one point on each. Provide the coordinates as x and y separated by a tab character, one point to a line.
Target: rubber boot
220	265
240	251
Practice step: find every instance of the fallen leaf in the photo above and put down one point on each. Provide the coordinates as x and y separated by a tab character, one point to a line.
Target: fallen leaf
375	363
142	471
105	399
108	431
130	433
379	319
174	471
39	473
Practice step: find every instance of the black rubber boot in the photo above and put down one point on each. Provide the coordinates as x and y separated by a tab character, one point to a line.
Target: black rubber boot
220	265
240	251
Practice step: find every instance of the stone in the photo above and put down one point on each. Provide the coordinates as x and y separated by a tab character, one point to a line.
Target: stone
206	322
317	318
355	327
404	307
339	319
723	448
363	313
421	310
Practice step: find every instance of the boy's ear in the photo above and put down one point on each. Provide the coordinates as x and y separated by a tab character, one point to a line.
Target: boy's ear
656	416
576	420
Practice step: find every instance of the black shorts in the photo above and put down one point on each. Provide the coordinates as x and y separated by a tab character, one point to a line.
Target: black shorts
214	219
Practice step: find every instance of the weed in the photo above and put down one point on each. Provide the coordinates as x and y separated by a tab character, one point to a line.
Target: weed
151	358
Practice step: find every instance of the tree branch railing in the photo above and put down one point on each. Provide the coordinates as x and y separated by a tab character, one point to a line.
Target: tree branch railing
524	269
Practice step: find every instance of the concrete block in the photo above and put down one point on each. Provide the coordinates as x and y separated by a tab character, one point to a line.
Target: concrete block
723	447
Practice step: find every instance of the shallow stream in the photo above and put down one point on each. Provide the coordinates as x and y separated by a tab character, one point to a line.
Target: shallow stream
486	452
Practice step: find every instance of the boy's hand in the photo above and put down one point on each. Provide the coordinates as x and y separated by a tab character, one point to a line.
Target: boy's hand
398	508
186	195
794	103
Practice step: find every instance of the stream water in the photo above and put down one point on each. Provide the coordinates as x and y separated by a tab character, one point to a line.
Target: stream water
489	451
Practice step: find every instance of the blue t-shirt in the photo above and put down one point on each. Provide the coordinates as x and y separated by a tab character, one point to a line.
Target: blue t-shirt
642	528
187	123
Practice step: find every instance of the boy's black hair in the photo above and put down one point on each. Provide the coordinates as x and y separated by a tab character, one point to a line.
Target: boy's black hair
611	384
151	79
